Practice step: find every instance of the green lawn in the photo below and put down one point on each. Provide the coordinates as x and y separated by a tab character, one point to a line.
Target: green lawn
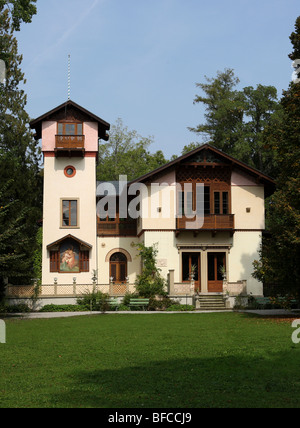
150	361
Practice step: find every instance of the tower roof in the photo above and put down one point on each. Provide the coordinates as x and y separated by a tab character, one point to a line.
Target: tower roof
70	110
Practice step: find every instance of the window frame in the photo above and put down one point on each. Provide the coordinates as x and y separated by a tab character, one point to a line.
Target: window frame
210	191
62	225
69	122
118	266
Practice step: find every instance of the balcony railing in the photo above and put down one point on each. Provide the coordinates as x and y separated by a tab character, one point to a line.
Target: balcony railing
69	142
211	222
117	227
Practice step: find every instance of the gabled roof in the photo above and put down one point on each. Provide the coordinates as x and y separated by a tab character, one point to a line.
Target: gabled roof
62	111
80	242
263	178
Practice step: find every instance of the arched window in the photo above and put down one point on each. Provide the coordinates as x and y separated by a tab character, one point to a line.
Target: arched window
118	267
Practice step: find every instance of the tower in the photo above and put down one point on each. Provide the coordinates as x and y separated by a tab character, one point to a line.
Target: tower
70	136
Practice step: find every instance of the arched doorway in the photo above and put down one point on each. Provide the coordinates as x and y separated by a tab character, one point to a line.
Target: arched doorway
118	268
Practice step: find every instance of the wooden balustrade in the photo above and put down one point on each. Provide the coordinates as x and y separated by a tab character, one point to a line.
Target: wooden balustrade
69	141
117	227
211	222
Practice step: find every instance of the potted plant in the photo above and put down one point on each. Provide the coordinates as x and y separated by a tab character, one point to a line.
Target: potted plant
222	271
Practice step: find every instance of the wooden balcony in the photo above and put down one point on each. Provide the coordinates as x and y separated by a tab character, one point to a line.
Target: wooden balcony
117	227
70	144
212	222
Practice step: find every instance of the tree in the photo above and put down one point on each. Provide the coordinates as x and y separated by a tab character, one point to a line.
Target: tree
13	261
19	10
279	262
126	153
19	152
189	147
235	120
224	110
261	110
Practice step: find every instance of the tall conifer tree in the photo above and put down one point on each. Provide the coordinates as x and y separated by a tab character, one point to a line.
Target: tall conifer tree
281	253
19	152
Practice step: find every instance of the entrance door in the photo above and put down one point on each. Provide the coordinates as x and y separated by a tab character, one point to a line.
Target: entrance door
215	263
118	268
191	263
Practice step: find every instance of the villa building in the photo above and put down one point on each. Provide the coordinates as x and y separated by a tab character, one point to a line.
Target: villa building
90	229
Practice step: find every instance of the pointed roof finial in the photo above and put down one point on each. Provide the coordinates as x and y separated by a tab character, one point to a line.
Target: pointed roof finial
69	77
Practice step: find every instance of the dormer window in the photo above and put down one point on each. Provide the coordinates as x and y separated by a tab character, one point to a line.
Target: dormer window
69	128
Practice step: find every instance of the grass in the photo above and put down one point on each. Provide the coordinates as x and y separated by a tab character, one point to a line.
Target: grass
150	361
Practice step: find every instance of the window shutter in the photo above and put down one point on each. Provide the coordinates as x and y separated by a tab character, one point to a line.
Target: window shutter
54	261
84	262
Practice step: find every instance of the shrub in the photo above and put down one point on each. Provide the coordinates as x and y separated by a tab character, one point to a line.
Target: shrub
123	308
161	304
128	296
150	283
94	301
181	308
64	308
14	309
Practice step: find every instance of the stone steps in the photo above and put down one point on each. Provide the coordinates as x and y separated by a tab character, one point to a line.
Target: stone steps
213	302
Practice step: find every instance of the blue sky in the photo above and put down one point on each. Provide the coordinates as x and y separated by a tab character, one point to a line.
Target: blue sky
139	60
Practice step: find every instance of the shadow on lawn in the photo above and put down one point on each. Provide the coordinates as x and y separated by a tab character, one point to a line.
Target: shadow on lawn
222	381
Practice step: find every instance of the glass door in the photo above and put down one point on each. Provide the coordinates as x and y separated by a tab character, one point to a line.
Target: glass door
215	263
191	265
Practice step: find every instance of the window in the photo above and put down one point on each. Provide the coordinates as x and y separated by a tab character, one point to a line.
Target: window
69	128
225	203
181	204
118	267
217	203
189	202
70	171
206	200
221	204
69	213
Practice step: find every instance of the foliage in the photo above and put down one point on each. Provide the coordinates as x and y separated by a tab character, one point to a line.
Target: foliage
13	261
160	304
64	308
150	283
189	147
122	307
224	110
126	153
295	40
280	255
236	119
19	152
19	11
180	308
14	309
127	297
94	301
37	257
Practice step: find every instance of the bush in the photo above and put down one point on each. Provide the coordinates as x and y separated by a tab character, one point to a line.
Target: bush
64	308
128	296
161	304
123	308
14	309
94	301
180	308
150	283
